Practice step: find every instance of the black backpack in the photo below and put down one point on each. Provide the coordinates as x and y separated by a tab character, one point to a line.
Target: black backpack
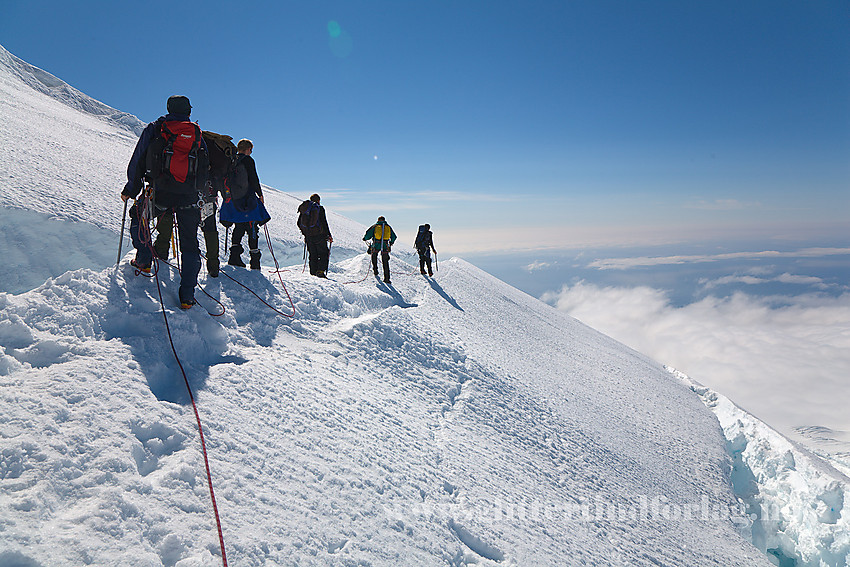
308	218
422	238
175	160
236	182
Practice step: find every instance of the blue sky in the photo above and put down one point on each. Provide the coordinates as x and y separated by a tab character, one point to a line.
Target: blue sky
503	124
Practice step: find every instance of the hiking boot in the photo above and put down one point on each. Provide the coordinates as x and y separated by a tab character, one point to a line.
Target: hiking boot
422	272
321	274
187	303
387	280
212	270
236	257
430	274
140	268
255	260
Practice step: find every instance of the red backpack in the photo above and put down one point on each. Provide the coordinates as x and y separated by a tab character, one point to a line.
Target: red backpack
173	156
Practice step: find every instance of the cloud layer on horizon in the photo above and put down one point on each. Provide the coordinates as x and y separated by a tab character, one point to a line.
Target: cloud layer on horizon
786	360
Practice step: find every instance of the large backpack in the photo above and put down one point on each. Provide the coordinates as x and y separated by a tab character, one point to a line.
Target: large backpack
422	240
382	234
236	182
308	218
175	161
222	152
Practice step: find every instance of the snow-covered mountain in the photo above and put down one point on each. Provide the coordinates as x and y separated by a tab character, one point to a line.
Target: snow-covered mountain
447	421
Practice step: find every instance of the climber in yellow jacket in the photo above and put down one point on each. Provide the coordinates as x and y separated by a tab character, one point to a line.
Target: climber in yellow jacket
382	236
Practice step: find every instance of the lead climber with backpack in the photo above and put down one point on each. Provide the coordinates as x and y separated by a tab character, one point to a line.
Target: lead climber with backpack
171	157
313	223
222	153
424	243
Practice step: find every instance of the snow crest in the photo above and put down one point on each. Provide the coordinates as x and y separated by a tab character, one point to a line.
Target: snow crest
57	89
795	500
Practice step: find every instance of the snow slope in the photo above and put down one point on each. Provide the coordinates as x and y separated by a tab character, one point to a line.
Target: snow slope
447	421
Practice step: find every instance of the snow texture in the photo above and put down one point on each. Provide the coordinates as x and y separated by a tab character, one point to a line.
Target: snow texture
448	421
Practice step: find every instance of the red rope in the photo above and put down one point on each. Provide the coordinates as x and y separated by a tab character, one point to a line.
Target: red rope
200	287
364	277
155	265
197	419
277	271
266	303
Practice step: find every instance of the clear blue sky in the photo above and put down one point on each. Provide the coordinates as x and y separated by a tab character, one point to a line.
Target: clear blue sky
500	123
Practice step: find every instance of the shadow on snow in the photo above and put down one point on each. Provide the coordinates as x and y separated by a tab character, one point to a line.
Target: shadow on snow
135	317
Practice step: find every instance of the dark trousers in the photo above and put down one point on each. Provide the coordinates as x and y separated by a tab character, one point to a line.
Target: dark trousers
165	228
317	249
188	221
425	259
240	229
385	258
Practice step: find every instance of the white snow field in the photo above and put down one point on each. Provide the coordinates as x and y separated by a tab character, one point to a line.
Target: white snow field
451	421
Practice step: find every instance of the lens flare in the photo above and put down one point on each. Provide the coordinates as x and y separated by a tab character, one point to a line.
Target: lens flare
334	29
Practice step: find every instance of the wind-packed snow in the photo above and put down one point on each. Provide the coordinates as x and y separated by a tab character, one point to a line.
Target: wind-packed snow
795	498
446	421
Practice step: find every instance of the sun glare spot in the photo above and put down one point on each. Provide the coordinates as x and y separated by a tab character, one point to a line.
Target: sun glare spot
334	28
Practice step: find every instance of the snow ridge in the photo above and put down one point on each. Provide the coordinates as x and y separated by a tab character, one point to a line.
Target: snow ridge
58	89
373	429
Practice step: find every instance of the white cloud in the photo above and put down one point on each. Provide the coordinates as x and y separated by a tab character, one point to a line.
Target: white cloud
801	280
726	280
748	279
783	359
626	263
537	265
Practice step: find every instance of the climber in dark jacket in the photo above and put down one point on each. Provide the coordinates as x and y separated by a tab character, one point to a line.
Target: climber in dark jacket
171	195
317	234
244	150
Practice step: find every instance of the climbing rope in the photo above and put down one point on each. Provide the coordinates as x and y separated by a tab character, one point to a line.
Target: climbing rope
200	287
197	419
147	241
277	271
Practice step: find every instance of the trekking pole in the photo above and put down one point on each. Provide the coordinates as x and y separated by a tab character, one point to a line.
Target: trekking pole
121	242
174	233
436	263
177	244
226	236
